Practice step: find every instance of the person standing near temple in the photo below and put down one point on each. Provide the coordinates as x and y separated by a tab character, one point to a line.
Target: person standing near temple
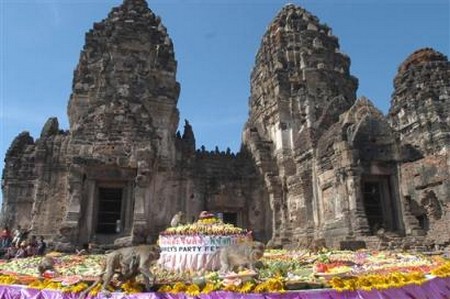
5	238
16	236
42	246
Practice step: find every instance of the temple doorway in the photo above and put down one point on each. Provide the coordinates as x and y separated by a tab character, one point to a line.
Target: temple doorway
381	211
108	205
109	210
231	218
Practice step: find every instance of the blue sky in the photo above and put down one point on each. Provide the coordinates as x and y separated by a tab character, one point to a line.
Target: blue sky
215	44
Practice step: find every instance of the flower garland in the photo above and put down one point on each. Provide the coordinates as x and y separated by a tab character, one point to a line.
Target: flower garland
55	285
129	287
274	284
192	289
375	281
132	286
442	271
7	279
212	220
268	286
208	226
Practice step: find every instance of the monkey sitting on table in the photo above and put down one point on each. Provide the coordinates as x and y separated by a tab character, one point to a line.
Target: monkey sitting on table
127	262
317	245
177	219
47	263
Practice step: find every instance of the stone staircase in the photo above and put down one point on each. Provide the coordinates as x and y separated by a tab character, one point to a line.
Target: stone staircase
392	241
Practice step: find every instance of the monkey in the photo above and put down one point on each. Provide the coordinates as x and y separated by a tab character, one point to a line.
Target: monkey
240	255
46	263
177	219
127	262
383	238
317	245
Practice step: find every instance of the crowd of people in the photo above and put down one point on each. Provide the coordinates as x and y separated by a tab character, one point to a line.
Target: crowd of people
20	243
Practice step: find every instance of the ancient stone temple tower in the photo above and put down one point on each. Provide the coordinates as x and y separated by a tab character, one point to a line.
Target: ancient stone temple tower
420	114
299	86
315	161
334	167
123	117
419	105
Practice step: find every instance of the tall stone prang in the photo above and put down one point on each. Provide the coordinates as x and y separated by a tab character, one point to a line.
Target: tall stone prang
299	86
124	84
420	107
123	116
299	75
420	114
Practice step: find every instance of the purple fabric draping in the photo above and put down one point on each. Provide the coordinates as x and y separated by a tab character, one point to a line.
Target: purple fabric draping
437	288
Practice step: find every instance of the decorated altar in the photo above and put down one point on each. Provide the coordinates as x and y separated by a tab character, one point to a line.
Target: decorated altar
192	246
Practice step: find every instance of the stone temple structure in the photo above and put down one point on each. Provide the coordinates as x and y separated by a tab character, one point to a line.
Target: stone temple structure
315	162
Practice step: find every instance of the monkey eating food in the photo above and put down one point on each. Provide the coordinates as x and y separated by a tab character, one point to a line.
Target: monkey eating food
127	262
240	255
47	263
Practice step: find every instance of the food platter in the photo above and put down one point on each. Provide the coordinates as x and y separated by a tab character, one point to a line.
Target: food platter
328	276
242	276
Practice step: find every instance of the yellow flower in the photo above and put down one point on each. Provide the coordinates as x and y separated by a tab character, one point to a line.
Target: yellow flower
165	289
416	277
131	287
95	290
275	284
350	284
179	287
37	284
193	290
338	284
260	288
374	281
442	271
364	283
246	287
380	282
53	285
395	280
7	279
209	287
271	285
77	288
230	288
